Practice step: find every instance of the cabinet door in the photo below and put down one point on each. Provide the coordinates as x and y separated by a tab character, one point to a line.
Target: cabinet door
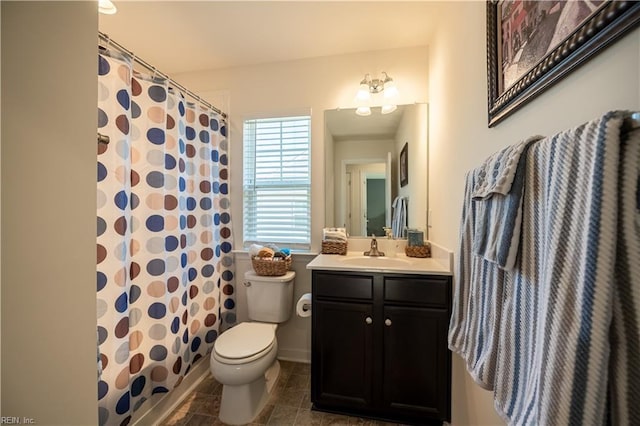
416	362
341	360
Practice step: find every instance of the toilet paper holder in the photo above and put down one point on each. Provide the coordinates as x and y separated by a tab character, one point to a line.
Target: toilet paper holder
303	306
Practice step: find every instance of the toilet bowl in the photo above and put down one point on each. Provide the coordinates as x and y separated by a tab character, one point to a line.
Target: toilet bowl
243	358
244	361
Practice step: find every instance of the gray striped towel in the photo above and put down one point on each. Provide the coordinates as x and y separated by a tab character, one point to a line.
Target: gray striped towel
399	222
558	338
477	302
497	190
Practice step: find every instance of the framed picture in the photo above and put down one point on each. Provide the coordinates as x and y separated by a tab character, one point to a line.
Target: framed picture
404	167
533	44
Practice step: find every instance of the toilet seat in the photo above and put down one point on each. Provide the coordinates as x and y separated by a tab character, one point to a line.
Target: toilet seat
245	342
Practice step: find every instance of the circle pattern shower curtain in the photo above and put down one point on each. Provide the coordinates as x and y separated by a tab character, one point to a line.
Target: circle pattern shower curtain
164	264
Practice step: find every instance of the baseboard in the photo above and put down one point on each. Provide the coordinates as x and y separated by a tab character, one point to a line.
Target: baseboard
295	355
165	406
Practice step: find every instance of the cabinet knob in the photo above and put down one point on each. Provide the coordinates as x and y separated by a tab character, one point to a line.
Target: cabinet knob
387	322
368	320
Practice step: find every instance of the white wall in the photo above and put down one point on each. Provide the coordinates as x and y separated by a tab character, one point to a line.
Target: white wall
459	138
49	98
414	129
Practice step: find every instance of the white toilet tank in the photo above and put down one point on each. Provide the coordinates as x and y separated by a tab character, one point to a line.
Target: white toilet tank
269	299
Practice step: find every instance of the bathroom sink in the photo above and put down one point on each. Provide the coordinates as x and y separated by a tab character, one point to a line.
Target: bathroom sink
355	261
375	262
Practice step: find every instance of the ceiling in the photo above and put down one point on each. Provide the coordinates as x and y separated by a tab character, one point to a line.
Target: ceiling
345	125
182	36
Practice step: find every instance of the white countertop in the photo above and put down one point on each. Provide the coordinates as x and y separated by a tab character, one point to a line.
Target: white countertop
399	263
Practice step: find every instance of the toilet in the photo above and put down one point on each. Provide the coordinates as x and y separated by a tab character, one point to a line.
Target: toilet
243	358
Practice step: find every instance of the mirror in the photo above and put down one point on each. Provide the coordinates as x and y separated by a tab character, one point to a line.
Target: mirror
363	173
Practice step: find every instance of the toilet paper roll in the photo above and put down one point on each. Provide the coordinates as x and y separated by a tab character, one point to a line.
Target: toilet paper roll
303	307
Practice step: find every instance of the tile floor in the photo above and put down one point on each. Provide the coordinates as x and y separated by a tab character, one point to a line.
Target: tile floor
289	404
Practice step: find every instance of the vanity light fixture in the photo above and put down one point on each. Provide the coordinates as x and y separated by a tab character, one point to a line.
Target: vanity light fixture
107	7
369	86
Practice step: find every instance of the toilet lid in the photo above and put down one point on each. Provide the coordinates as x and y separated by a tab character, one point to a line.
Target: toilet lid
245	339
288	276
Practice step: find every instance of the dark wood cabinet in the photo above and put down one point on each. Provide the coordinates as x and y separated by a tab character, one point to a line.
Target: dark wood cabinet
345	365
379	345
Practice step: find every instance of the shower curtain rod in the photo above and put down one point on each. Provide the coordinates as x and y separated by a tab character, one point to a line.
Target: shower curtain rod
109	42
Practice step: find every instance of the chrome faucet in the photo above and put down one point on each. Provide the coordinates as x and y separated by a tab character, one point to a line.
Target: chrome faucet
374	248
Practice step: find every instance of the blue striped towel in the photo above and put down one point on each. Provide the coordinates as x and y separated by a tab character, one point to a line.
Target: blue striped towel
497	189
558	337
477	302
399	222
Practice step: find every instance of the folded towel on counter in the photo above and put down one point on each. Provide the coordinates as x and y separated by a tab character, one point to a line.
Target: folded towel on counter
497	193
334	234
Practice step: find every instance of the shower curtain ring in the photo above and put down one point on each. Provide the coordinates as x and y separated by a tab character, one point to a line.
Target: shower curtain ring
103	42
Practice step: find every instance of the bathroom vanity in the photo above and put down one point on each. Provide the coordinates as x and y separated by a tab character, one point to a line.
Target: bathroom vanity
379	338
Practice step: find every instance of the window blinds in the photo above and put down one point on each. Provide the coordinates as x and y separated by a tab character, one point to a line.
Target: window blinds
277	181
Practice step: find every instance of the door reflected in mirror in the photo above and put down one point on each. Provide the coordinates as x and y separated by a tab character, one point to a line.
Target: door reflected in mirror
366	199
362	168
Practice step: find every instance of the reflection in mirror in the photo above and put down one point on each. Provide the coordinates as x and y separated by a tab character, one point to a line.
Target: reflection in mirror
362	173
365	198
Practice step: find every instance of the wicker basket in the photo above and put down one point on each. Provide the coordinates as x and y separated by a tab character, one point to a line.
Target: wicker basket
334	247
418	251
271	267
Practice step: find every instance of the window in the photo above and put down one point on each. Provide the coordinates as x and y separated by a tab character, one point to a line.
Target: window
277	181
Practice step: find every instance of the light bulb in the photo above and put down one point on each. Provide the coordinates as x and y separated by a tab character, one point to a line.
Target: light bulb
390	89
106	7
363	111
363	92
386	109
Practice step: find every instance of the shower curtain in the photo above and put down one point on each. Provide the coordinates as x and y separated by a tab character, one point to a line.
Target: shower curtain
164	265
